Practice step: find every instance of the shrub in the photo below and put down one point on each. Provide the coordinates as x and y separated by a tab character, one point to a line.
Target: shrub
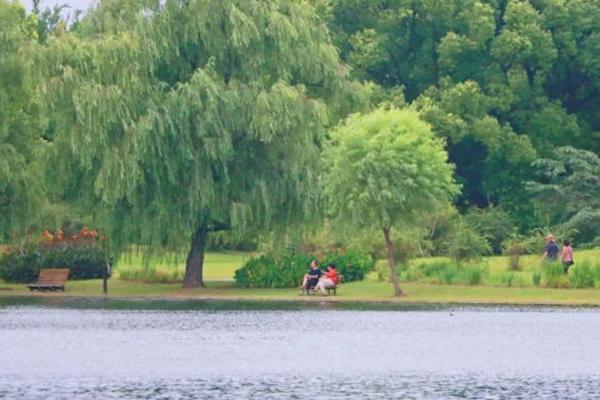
582	275
467	244
514	248
553	275
352	265
492	223
269	271
22	265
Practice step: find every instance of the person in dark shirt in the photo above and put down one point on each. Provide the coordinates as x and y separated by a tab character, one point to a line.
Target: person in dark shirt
551	253
311	279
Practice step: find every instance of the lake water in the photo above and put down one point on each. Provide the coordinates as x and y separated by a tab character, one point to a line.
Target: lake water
200	350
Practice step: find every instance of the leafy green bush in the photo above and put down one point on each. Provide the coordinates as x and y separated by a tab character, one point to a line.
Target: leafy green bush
553	275
22	265
452	272
514	248
468	244
492	223
269	271
352	265
582	275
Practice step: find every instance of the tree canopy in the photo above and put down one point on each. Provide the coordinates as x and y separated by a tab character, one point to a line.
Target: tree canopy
19	122
568	190
505	82
177	119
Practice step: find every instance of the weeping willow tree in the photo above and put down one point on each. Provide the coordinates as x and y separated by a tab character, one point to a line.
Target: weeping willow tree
175	119
18	123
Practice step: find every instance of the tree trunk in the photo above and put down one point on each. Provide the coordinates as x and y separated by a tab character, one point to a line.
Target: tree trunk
391	251
195	260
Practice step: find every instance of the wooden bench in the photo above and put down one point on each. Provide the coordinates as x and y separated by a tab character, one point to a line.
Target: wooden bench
309	291
51	279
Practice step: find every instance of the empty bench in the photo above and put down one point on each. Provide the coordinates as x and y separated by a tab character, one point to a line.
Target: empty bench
52	279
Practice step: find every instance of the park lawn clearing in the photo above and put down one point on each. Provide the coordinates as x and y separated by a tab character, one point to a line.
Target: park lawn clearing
217	265
220	268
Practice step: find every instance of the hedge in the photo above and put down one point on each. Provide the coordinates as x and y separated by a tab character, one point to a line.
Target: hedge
268	271
23	264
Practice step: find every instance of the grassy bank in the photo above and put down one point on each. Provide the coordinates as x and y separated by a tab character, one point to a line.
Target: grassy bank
219	269
367	291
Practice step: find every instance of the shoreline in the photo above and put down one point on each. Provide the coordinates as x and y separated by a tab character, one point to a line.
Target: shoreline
366	294
302	302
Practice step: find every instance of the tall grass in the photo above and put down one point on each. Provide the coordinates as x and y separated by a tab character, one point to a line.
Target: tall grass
536	278
451	272
583	274
513	279
553	275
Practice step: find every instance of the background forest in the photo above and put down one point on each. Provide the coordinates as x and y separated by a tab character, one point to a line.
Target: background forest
161	122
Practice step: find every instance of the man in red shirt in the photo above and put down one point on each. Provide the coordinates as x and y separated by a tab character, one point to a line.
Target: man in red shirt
329	280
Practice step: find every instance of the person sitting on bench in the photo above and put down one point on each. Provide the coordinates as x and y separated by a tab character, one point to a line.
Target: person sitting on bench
311	279
329	280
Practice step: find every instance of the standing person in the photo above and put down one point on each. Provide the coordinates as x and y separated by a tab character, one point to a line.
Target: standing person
551	253
567	255
329	280
311	279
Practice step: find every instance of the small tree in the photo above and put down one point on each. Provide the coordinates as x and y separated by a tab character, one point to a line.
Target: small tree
386	169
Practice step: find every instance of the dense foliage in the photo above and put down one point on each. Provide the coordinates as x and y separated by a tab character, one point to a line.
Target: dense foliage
505	82
568	191
20	125
270	271
23	264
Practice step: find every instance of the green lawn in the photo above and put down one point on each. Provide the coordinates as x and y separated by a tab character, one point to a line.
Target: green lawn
219	270
217	265
366	291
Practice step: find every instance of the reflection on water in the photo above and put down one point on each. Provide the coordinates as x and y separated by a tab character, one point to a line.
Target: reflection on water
273	354
318	387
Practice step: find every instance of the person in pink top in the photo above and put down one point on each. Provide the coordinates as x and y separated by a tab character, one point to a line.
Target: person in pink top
567	255
329	280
